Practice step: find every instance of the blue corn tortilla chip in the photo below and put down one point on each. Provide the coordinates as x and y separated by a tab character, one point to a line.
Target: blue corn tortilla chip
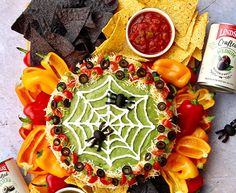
64	26
73	20
60	44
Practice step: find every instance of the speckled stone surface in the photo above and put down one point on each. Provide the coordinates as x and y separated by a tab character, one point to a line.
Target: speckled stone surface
220	172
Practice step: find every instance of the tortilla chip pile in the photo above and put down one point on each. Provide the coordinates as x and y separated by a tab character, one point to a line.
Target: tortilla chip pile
71	28
190	29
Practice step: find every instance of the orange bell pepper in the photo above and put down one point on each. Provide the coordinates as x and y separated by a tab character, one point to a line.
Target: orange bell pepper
200	133
193	147
48	162
182	166
39	184
173	72
24	95
33	144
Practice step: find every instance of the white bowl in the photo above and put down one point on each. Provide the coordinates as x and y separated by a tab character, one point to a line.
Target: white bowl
172	32
71	190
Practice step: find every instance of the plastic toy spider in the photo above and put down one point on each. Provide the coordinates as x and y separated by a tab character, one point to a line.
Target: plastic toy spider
120	100
229	130
100	135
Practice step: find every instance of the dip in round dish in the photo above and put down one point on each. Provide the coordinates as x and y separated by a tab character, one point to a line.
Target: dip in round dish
150	32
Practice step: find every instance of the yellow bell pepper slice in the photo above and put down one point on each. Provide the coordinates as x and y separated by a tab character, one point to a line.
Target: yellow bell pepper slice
205	98
55	64
172	71
38	180
182	166
48	162
39	80
176	185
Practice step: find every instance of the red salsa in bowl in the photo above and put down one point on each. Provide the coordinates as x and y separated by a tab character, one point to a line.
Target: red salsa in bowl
150	32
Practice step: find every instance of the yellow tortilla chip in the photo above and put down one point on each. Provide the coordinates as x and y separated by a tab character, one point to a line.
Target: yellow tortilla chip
186	61
178	53
117	43
197	54
106	190
199	31
183	41
180	11
132	5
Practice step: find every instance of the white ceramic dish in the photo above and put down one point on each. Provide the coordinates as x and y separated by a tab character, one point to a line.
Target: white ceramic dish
70	190
172	32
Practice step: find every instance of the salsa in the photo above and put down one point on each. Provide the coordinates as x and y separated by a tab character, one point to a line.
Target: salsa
150	33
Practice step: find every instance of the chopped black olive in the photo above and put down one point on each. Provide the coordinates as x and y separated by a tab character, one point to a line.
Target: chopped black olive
65	151
67	162
174	119
67	103
147	166
115	181
61	86
79	166
127	170
89	64
140	179
162	161
105	64
141	72
171	135
161	145
123	63
56	142
148	156
100	173
161	128
161	106
75	70
56	120
159	84
83	78
57	130
120	75
53	104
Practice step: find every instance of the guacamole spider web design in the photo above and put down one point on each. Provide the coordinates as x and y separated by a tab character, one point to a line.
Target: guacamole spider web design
133	131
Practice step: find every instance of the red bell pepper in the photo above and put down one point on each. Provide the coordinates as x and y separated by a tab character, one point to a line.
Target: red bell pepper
54	183
25	130
190	115
26	57
195	184
36	110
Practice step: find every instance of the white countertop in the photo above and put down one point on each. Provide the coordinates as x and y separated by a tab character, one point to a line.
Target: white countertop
220	172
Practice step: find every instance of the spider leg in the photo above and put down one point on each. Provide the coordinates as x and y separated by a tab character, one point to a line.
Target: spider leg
99	146
111	94
102	125
89	139
220	131
105	129
111	102
131	98
110	132
129	108
94	143
222	135
226	138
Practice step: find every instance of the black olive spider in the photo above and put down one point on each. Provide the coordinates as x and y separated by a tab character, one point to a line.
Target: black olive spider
100	135
229	130
120	100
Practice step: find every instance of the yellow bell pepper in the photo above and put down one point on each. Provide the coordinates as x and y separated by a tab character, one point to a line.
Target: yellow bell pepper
48	162
33	144
205	98
175	184
200	133
24	95
54	63
39	79
172	71
39	180
182	166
